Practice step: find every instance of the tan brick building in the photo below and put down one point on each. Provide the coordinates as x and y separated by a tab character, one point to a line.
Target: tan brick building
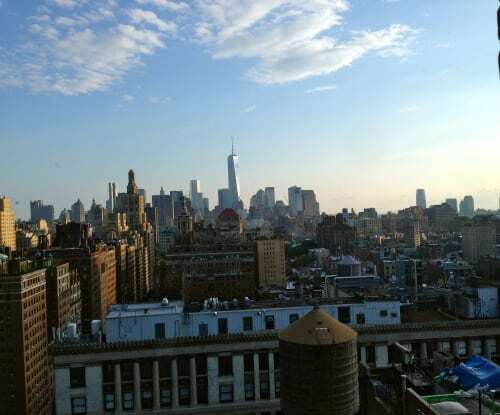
7	225
271	269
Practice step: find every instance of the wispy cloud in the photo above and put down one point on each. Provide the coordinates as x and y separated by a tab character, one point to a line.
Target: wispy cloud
128	98
291	40
139	16
93	44
248	110
320	89
444	45
80	46
409	109
159	100
166	4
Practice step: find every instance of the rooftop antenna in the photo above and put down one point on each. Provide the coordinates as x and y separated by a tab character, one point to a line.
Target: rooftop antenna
232	146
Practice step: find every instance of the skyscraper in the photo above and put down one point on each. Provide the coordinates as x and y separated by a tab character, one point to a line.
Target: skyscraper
196	195
77	213
233	180
467	207
7	225
270	197
310	204
111	202
453	203
421	200
41	211
163	203
295	200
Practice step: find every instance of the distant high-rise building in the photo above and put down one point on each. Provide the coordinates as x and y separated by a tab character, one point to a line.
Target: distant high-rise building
196	196
142	192
310	204
25	383
41	211
77	213
225	200
153	218
163	203
421	199
132	204
295	201
467	207
175	197
453	203
7	225
233	179
270	197
111	202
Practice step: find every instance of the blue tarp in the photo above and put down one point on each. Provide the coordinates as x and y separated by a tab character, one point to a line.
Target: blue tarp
476	371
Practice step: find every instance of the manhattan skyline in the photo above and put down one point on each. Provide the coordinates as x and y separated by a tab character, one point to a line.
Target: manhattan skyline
362	130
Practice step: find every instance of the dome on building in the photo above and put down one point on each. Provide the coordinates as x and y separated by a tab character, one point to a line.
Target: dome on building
318	328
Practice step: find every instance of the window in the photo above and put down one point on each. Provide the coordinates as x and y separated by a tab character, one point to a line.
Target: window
79	405
203	330
225	365
159	330
226	393
109	401
165	398
383	313
360	318
249	391
269	322
128	401
77	377
147	399
263	362
345	315
222	324
247	324
248	362
264	389
293	318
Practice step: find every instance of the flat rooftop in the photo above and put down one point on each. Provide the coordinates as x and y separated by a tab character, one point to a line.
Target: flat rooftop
125	310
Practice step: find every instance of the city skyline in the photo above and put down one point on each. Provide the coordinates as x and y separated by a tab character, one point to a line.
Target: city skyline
365	131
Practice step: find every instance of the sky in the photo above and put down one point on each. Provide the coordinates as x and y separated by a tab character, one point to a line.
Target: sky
361	100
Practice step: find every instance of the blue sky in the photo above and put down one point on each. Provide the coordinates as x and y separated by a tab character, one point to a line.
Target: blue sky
361	100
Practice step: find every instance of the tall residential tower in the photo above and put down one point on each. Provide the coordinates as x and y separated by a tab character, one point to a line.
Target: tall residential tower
421	200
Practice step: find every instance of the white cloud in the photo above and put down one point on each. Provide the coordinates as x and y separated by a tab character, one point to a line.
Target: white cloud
145	16
85	50
409	109
444	45
159	100
291	40
321	89
248	110
128	98
166	4
66	4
